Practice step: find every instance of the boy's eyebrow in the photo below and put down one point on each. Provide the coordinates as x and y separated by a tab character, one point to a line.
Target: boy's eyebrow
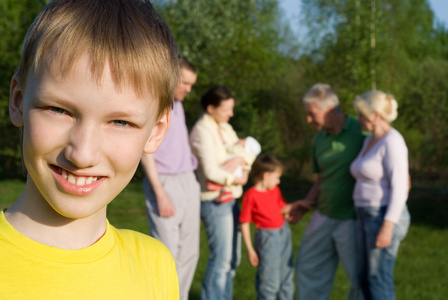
39	97
133	114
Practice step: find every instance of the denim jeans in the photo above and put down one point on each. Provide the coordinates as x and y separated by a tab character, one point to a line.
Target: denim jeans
376	266
224	242
275	270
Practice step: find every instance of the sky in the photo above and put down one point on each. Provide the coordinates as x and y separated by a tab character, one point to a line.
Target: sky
292	10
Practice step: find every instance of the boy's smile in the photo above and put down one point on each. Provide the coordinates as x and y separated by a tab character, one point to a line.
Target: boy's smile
82	139
76	184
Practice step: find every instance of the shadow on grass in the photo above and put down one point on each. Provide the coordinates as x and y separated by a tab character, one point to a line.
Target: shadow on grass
429	207
194	296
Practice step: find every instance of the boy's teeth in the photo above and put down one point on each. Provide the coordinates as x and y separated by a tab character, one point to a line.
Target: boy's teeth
80	181
71	179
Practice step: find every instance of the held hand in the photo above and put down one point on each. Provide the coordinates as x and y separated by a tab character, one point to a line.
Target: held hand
286	210
165	207
296	215
253	258
233	163
384	237
293	212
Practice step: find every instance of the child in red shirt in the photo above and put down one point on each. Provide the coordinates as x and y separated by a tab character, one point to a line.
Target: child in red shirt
262	205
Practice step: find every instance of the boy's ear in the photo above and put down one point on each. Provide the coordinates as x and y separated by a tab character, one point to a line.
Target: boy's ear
16	102
158	133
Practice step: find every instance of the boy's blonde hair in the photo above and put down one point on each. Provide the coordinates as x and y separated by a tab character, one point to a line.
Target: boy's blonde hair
264	164
129	35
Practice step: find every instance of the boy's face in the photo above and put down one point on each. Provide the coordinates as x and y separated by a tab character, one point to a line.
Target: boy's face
272	179
82	141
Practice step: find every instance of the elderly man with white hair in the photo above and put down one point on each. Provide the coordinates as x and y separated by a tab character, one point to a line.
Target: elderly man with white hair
330	235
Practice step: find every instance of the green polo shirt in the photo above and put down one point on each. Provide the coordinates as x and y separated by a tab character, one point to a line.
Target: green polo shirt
332	156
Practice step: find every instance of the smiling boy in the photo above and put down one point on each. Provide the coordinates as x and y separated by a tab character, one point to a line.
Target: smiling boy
92	93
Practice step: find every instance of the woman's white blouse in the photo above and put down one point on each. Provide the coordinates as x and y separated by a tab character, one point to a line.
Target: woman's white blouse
382	175
208	142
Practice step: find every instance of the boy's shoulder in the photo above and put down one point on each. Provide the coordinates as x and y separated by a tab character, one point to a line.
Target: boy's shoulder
131	236
138	242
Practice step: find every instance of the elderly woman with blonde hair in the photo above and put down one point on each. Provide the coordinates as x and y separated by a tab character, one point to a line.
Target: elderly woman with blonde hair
380	194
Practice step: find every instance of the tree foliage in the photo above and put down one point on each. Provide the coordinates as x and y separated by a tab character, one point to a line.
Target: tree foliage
15	18
232	42
240	44
424	115
366	45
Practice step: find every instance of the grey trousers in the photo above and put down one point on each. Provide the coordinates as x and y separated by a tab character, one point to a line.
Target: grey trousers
179	233
326	242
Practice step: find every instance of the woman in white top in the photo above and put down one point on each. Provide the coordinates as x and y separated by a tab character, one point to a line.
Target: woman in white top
210	139
380	194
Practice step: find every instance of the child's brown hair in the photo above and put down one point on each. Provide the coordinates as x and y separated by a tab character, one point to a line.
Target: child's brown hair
264	164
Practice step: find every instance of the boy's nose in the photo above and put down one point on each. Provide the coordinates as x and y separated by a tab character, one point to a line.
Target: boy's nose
83	149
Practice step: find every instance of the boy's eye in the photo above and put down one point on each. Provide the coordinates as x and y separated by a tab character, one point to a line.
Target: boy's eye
57	110
120	123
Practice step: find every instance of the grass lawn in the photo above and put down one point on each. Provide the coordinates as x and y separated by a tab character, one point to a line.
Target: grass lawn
422	266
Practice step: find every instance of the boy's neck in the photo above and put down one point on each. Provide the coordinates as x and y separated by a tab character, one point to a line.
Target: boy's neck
33	217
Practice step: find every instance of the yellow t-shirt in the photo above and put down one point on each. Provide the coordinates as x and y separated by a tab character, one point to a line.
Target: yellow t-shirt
123	264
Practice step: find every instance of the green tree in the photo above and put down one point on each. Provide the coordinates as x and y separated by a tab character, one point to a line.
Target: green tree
15	18
423	115
364	45
245	46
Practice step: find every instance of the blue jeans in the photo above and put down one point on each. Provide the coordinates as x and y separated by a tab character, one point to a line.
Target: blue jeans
275	270
376	266
224	242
